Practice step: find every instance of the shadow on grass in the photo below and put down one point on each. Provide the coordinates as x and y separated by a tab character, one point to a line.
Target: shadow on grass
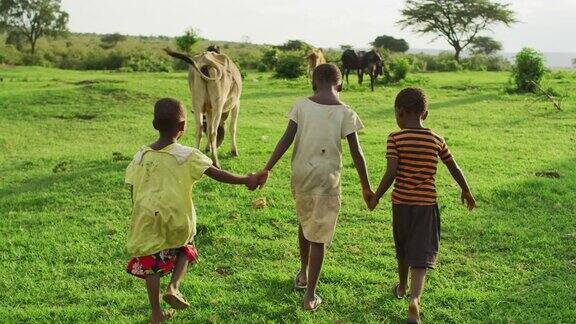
524	251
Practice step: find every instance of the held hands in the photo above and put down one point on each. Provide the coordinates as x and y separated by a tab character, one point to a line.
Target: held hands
257	179
468	200
368	196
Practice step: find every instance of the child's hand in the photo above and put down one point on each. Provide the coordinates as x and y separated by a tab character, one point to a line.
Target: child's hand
252	182
368	195
468	200
263	177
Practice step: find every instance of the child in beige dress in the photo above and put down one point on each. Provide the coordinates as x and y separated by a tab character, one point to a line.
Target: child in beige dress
316	126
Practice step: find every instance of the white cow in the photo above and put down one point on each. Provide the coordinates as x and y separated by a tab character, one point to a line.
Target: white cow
215	84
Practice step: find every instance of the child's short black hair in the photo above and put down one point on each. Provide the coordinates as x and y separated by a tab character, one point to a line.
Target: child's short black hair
413	100
327	73
168	112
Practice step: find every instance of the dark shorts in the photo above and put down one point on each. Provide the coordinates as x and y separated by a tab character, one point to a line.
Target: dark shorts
416	232
161	263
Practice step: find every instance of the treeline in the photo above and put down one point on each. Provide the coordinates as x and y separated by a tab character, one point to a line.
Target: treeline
145	54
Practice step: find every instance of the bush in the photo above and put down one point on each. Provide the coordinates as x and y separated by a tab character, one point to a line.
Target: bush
270	58
290	66
528	70
400	68
262	67
145	62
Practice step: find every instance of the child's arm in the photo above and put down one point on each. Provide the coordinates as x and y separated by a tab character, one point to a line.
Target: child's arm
466	196
251	181
283	144
386	182
360	164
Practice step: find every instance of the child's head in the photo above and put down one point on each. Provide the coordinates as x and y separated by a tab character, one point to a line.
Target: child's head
170	117
327	76
411	104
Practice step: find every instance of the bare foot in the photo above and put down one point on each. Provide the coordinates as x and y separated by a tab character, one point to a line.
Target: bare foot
414	311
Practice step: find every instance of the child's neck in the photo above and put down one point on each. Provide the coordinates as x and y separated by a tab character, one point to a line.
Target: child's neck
326	97
163	141
414	124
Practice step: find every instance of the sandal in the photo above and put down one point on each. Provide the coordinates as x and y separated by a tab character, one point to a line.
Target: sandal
395	292
176	300
316	303
297	285
167	314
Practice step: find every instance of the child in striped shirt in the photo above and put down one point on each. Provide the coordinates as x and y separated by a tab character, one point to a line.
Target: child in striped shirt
412	155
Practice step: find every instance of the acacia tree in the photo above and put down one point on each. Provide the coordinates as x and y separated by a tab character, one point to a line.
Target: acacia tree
485	45
457	21
32	19
390	43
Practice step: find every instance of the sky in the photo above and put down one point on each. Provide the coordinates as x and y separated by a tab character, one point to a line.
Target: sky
546	25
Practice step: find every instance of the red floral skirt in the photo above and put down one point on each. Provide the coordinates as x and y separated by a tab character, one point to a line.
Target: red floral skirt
161	263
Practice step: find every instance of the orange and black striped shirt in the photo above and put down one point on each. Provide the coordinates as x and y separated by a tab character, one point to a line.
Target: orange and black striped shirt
417	151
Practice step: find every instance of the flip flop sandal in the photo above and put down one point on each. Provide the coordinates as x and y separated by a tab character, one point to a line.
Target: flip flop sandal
168	314
296	285
395	292
317	301
176	300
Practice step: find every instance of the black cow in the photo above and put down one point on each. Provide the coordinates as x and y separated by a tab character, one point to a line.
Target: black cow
372	64
363	62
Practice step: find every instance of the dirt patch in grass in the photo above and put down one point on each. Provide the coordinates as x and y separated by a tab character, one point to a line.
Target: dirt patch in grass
62	166
548	174
117	156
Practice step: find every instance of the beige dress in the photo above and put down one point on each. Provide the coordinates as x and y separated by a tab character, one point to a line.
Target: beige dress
317	164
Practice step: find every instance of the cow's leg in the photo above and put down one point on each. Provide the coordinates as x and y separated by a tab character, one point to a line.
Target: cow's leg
372	79
233	122
198	117
212	130
346	71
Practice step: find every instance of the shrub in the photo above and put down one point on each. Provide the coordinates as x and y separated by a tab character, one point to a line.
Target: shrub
142	61
262	67
528	70
270	58
290	66
400	68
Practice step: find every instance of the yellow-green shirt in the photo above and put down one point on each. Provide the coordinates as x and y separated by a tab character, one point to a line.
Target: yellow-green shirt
163	215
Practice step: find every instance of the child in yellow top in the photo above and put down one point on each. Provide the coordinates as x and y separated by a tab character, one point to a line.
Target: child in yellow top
317	125
163	224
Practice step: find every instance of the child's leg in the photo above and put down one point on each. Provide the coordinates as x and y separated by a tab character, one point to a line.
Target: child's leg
417	278
304	255
403	277
314	267
153	287
180	267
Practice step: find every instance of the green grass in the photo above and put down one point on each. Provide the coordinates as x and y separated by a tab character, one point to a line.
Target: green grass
64	211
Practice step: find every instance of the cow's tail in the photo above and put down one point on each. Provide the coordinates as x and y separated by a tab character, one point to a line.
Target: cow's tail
189	60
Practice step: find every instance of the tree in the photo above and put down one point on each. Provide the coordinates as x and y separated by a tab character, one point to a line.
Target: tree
32	19
390	43
458	21
186	41
344	47
574	62
295	45
111	40
485	45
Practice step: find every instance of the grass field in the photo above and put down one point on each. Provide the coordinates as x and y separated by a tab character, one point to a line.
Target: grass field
66	138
